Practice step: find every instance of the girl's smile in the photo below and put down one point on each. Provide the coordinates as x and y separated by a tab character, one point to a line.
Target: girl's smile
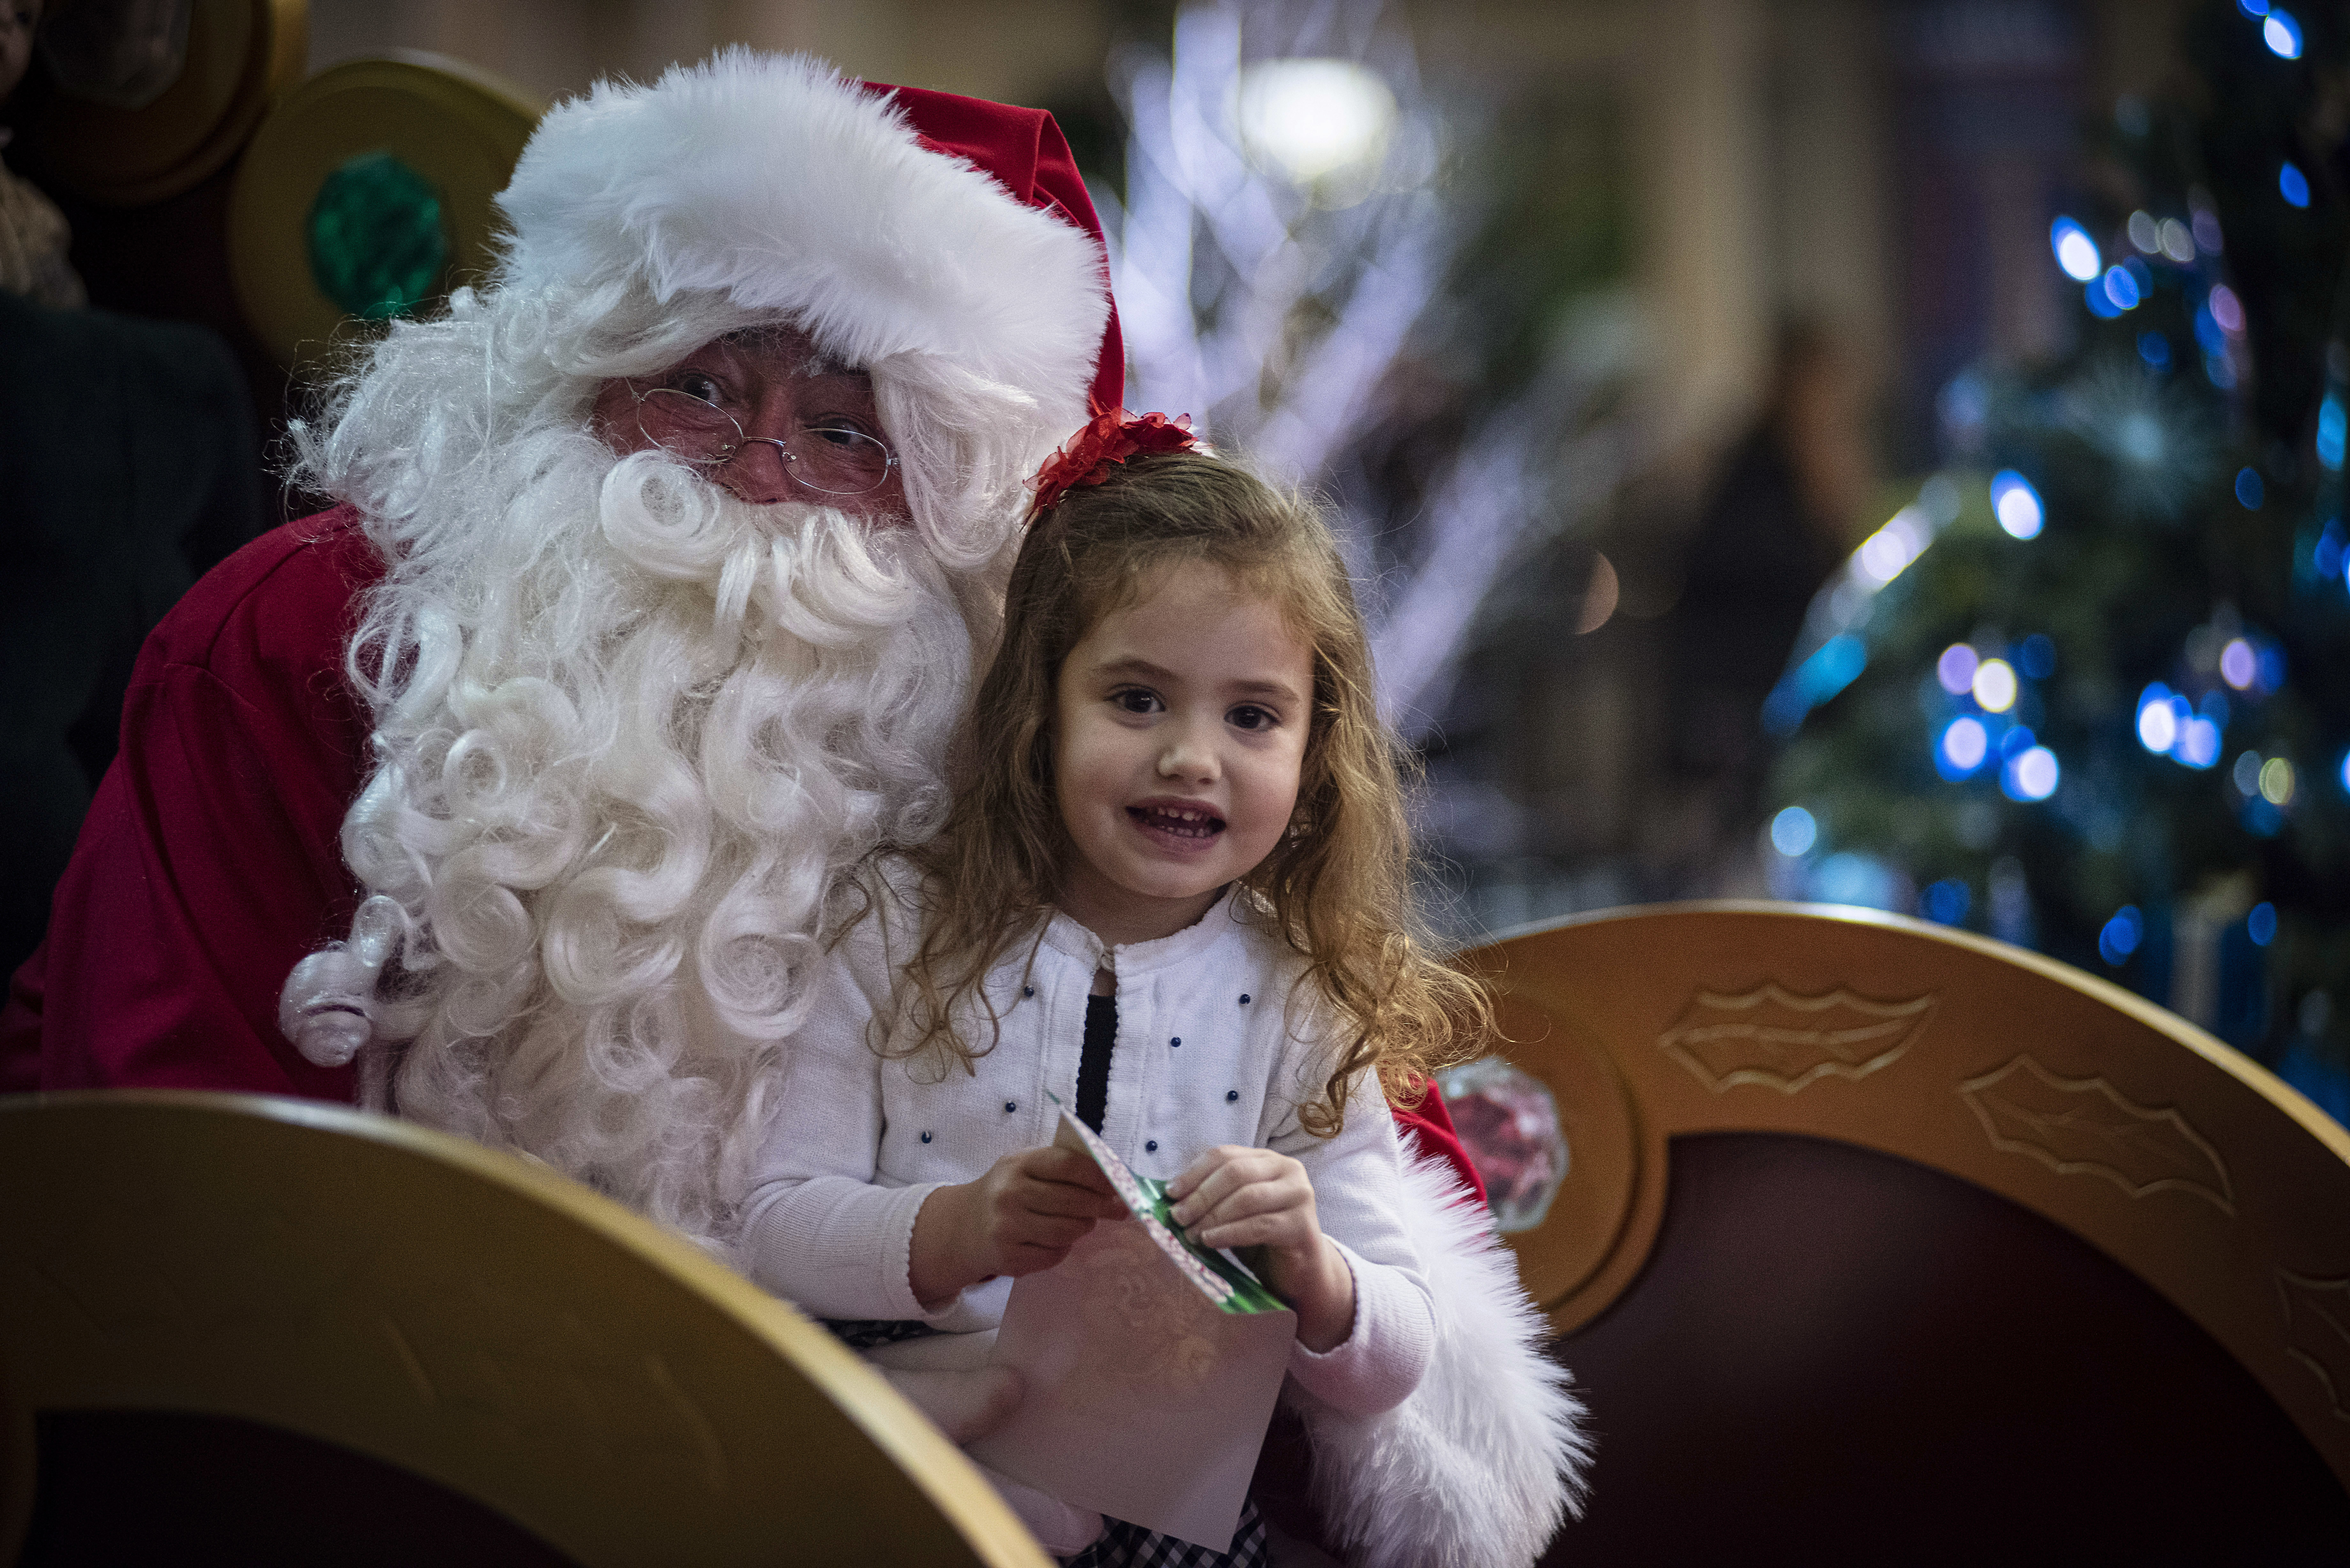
1182	723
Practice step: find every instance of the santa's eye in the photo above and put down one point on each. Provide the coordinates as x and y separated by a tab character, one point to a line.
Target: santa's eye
838	430
695	384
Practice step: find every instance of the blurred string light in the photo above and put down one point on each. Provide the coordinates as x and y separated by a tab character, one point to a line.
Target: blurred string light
2037	657
1964	745
2177	240
2249	489
2169	725
1828	654
2282	34
1904	538
2155	350
2238	665
2121	936
2277	781
1994	685
1955	669
2342	773
2032	774
2292	184
2246	774
1315	119
1793	832
2077	253
2145	232
2227	309
2016	504
1945	901
2122	287
2262	923
1833	665
2332	426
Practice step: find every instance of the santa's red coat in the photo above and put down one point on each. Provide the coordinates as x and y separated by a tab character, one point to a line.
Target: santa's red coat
210	864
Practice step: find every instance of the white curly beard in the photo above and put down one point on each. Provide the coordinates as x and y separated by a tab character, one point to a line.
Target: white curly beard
629	732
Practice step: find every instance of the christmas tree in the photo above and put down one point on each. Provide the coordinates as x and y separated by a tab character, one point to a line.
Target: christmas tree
2090	692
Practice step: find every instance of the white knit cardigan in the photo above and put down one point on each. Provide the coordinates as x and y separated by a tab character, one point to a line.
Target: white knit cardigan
1439	1434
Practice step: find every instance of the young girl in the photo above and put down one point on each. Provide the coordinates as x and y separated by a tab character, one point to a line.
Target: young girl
1173	893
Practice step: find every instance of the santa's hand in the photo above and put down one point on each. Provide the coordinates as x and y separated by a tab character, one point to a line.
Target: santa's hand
1238	1197
1021	1217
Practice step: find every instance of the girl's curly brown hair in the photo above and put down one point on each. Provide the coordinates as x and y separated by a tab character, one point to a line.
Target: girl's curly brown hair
1337	888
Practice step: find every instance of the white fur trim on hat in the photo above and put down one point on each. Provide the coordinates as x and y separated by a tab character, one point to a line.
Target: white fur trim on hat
774	179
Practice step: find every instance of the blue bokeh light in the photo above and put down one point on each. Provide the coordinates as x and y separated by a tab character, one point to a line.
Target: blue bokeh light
2253	7
2292	184
2282	34
2032	774
1962	748
1794	832
2157	720
2199	743
2037	657
2077	253
2122	289
2121	936
2101	304
2333	427
2155	350
2016	504
2261	924
1945	901
2249	488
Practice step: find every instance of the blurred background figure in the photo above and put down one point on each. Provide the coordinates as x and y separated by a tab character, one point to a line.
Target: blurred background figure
130	463
1785	509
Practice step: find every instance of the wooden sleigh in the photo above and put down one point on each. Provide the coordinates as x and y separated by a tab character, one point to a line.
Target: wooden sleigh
1878	1242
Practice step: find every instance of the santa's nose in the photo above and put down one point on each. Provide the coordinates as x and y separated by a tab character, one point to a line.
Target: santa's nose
761	474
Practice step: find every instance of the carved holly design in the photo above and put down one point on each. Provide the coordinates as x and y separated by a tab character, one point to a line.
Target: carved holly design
1776	1037
2085	1126
2317	1332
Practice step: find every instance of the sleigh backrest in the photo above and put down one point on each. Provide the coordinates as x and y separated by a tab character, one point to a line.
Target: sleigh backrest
243	1329
1885	1241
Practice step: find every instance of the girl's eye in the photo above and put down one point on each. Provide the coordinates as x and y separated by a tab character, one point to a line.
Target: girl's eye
1135	700
1249	716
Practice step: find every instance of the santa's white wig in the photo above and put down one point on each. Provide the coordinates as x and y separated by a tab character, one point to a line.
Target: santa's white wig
629	729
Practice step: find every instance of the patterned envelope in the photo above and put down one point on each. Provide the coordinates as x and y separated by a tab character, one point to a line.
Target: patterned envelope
1151	1367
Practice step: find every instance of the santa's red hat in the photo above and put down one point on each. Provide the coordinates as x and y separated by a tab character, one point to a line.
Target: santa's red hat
884	220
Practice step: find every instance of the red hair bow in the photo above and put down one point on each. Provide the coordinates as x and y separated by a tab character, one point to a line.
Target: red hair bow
1112	435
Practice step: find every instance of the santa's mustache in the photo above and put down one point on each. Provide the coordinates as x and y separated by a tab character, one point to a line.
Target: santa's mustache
828	577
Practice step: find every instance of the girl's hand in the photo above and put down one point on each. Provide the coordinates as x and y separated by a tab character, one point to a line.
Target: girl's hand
1021	1217
1238	1197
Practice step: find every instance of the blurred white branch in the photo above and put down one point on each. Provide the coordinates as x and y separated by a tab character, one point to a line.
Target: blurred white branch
1273	311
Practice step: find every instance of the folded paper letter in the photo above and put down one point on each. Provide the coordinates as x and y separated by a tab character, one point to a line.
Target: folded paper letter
1151	1367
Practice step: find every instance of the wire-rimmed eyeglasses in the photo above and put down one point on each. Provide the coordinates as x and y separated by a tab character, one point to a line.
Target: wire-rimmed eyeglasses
829	457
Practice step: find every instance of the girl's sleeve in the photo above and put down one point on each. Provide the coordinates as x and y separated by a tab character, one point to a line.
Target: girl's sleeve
818	1229
1357	1180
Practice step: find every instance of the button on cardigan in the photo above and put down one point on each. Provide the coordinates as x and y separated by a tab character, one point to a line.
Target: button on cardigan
861	1140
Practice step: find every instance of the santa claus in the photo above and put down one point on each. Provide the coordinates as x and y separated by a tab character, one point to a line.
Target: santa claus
660	569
